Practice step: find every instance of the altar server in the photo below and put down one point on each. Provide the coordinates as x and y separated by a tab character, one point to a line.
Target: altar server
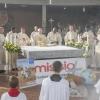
2	39
40	38
55	87
23	39
33	35
54	37
13	93
70	35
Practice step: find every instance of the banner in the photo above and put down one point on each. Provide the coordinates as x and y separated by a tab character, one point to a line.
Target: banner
34	71
68	64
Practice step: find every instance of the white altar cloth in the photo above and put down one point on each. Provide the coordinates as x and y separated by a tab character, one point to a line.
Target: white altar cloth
51	52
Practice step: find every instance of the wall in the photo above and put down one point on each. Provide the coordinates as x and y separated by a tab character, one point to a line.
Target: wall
30	16
24	17
54	2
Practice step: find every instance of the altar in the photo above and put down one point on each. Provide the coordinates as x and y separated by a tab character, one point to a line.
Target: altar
51	52
71	58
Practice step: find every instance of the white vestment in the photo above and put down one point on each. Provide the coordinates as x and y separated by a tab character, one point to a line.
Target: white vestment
97	52
6	96
33	37
2	55
51	90
70	36
54	38
12	37
40	39
11	60
91	42
23	39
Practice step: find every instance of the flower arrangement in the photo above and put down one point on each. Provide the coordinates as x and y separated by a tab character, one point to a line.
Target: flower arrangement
11	47
70	43
79	45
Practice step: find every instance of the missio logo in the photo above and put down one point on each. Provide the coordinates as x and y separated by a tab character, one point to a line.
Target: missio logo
48	67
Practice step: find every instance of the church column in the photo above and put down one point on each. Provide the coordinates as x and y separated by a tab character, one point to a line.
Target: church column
44	17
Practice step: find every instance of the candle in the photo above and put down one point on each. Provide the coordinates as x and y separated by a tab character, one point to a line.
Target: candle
78	38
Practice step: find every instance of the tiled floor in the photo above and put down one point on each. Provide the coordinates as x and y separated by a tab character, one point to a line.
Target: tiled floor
92	93
33	92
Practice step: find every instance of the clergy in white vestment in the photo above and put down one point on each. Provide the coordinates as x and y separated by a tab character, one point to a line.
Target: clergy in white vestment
12	37
91	41
33	35
40	38
2	39
55	87
54	37
70	35
13	93
23	39
97	50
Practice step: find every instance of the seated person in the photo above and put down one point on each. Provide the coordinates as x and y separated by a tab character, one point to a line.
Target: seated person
71	35
23	39
54	37
55	87
14	92
40	38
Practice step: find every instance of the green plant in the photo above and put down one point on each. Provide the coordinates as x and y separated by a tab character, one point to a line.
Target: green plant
11	47
79	45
